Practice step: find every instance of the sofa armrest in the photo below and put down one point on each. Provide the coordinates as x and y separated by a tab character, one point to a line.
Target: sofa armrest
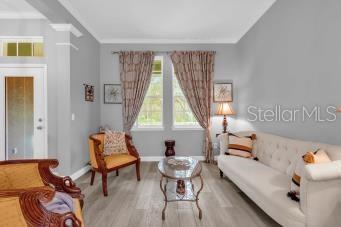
324	171
320	194
223	143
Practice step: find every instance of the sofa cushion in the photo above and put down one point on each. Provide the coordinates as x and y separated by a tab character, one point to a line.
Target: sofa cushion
264	185
22	175
4	181
118	159
10	212
282	153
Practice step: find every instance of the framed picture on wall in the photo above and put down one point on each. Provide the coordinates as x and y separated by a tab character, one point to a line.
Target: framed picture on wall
112	94
222	92
89	93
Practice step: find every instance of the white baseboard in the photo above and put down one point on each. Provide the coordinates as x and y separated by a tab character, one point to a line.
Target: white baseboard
80	172
158	158
86	168
151	158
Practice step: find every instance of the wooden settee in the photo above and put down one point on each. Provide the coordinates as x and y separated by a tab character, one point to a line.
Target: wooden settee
25	184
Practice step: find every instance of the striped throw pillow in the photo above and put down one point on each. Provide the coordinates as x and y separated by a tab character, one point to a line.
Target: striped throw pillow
319	156
241	145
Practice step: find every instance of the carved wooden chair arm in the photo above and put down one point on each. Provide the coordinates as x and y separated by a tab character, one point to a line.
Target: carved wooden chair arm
131	148
61	184
98	153
35	214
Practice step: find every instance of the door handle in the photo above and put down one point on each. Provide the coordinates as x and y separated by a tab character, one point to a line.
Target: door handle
40	127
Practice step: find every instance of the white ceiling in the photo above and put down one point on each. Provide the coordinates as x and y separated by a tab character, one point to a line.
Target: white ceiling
18	9
168	21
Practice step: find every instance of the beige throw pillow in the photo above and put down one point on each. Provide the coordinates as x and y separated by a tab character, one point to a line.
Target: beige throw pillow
114	143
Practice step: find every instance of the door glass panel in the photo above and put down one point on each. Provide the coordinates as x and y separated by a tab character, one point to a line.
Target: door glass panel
19	117
38	49
11	49
24	49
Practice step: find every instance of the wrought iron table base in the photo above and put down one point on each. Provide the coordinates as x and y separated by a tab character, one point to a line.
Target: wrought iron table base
195	199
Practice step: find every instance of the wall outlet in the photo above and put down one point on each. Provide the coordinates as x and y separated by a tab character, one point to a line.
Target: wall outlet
215	145
73	117
15	150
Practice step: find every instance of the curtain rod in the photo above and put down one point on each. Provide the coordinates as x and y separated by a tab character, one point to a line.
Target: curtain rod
159	52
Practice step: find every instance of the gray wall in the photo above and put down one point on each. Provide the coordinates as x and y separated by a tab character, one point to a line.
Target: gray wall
68	70
83	68
150	143
291	57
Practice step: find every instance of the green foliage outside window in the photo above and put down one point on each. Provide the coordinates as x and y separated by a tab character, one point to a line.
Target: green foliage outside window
151	110
182	113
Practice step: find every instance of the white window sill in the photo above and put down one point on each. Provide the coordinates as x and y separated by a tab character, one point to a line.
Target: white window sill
150	129
187	128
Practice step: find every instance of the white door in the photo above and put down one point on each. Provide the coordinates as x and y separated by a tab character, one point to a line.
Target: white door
23	121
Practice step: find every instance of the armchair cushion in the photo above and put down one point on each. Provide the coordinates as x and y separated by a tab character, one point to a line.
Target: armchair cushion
115	160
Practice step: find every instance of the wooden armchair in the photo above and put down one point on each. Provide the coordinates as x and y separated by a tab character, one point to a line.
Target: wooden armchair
106	164
23	207
23	175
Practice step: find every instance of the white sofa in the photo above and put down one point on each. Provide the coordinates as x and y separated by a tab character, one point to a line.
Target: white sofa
267	181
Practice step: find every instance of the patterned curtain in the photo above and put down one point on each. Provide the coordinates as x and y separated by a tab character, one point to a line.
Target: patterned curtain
194	71
135	71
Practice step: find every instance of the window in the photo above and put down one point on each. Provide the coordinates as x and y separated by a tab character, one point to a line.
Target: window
151	112
22	47
182	113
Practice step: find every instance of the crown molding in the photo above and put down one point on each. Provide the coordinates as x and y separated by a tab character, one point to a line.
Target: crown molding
251	25
67	5
67	28
171	41
23	15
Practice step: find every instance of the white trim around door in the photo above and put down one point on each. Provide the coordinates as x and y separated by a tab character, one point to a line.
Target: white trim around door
22	67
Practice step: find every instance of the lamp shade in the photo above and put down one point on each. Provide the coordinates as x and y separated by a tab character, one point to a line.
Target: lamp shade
225	109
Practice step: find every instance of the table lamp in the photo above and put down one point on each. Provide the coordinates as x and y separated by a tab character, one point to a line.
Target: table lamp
224	109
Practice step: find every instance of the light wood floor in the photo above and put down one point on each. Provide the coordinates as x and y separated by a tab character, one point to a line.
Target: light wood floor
132	203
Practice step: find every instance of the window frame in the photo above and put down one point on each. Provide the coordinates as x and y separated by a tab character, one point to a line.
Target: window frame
138	127
179	127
